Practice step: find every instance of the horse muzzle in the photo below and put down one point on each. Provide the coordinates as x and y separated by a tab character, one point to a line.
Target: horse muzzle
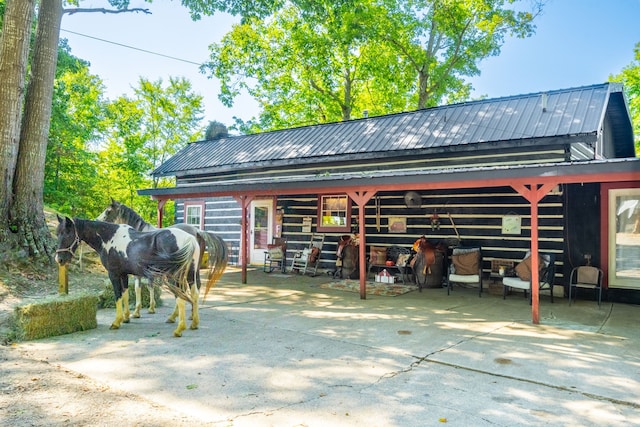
62	259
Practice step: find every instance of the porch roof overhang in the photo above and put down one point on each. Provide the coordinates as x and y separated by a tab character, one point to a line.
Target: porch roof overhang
610	170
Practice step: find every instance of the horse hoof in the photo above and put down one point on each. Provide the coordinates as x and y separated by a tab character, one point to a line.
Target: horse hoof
151	311
193	327
114	326
170	321
136	315
177	334
125	321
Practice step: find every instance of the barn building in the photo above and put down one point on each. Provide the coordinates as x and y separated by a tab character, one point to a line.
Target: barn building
554	171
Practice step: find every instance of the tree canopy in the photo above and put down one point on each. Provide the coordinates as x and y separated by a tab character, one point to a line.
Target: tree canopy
312	62
304	61
630	78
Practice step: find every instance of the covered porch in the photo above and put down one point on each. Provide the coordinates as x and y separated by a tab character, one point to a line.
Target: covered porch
531	182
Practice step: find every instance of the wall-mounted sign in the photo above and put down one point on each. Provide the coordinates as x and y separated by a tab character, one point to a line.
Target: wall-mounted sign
511	224
306	224
397	224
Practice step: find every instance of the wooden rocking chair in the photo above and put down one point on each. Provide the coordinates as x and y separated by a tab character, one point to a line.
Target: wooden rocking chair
308	259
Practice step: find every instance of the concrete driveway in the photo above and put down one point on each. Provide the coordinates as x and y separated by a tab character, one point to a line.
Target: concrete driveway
281	351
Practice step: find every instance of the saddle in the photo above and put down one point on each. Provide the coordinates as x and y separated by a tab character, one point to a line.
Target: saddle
427	251
344	241
347	256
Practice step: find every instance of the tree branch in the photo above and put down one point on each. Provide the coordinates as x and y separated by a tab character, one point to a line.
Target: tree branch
103	10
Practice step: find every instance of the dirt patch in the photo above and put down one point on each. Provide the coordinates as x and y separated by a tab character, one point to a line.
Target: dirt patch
36	393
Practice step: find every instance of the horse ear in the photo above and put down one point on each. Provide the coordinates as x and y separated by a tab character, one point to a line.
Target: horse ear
66	219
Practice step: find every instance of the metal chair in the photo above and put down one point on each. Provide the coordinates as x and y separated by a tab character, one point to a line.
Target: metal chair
308	259
401	257
546	278
276	255
586	277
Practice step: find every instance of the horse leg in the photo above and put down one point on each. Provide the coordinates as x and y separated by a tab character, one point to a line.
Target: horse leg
136	311
152	297
195	315
174	313
194	287
125	305
117	283
182	323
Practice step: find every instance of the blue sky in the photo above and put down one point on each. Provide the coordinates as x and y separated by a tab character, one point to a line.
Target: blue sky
577	42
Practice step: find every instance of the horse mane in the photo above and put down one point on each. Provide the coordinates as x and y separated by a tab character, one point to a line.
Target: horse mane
132	218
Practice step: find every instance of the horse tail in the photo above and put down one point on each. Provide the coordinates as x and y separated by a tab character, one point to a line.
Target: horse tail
174	266
218	258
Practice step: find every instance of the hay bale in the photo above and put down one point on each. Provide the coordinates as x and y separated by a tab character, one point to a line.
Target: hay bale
59	315
107	299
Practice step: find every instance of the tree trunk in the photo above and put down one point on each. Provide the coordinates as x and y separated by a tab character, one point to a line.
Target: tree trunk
423	95
27	211
14	51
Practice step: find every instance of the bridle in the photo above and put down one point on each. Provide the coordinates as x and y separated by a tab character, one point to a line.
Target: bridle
75	242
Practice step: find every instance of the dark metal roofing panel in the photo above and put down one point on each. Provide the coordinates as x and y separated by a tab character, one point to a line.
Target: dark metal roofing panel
600	169
568	112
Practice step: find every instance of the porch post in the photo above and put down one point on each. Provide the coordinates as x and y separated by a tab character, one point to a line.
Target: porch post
361	199
245	202
160	211
534	193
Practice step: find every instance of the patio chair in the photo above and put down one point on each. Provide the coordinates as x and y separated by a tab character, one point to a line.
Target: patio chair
276	255
308	259
401	257
466	268
586	277
390	259
522	281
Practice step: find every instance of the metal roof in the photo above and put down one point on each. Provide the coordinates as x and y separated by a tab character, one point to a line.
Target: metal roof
572	111
608	170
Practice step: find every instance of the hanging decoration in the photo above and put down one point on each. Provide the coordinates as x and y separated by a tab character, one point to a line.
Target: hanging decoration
435	220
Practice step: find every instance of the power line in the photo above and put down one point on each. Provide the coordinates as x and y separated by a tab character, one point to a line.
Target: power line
133	48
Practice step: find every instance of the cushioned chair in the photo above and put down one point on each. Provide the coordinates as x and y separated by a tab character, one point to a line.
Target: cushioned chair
522	281
586	277
276	255
465	267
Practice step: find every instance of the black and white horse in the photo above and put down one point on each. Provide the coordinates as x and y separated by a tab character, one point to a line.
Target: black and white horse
169	254
210	243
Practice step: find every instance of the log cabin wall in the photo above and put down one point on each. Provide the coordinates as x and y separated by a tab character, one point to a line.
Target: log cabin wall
477	215
222	216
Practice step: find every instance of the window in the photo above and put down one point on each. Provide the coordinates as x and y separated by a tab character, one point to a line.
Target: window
194	214
334	213
624	238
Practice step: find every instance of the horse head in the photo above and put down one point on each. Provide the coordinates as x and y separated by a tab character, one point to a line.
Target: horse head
68	240
110	214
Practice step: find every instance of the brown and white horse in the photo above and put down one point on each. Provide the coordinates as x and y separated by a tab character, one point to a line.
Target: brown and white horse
169	254
210	243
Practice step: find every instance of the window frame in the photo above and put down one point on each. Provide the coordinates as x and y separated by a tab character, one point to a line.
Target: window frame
191	204
332	228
